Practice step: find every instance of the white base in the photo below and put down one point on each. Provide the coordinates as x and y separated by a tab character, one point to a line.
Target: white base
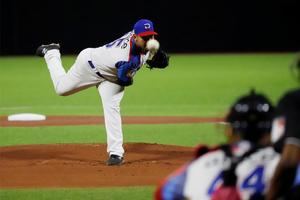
26	117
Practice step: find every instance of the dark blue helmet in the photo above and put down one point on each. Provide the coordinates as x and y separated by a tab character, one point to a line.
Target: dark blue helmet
251	116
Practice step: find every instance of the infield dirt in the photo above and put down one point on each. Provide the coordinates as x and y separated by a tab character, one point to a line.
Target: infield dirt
83	165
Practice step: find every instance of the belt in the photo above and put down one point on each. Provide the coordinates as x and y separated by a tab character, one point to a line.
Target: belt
94	69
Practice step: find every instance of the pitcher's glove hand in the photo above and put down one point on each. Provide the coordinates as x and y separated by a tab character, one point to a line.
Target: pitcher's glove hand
159	60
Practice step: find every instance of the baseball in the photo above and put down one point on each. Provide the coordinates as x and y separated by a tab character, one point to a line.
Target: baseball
152	45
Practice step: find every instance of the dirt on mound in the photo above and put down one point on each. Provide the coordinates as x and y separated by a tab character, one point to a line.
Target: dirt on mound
83	165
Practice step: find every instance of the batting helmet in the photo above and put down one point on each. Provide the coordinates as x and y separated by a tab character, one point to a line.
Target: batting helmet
251	116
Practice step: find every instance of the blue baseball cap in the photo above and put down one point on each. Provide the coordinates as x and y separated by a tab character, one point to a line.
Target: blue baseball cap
144	27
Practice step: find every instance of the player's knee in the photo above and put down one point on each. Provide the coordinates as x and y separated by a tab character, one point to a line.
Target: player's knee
112	107
61	92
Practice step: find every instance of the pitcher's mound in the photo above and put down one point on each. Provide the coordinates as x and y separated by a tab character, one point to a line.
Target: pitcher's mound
83	165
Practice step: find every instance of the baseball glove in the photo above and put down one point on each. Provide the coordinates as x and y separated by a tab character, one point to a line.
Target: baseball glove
159	60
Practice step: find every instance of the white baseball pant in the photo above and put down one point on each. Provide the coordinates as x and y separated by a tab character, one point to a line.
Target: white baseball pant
81	76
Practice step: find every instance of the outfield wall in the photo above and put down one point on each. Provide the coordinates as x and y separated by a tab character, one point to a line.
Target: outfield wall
189	26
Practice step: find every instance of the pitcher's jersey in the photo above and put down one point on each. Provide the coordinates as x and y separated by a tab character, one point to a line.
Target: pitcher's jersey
122	49
255	171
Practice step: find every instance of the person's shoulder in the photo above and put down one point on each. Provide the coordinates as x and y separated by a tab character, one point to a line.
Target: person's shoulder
291	95
240	148
290	99
263	152
236	149
202	149
127	35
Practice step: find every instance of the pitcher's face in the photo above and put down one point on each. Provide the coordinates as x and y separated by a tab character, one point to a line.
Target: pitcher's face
141	41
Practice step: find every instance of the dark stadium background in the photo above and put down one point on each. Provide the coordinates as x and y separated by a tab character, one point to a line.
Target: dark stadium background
184	26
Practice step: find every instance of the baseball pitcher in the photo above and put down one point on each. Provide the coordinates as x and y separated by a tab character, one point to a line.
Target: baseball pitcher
110	68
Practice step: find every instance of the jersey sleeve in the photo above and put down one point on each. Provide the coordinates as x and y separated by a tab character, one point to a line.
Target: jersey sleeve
172	187
126	70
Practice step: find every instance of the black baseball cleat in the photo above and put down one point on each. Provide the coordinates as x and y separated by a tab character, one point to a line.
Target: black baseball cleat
42	50
114	160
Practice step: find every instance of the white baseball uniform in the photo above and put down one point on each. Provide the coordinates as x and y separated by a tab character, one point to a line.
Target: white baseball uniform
255	171
96	67
204	175
200	178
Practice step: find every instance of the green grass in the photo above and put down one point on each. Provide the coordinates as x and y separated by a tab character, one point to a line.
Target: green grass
193	85
78	194
183	134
